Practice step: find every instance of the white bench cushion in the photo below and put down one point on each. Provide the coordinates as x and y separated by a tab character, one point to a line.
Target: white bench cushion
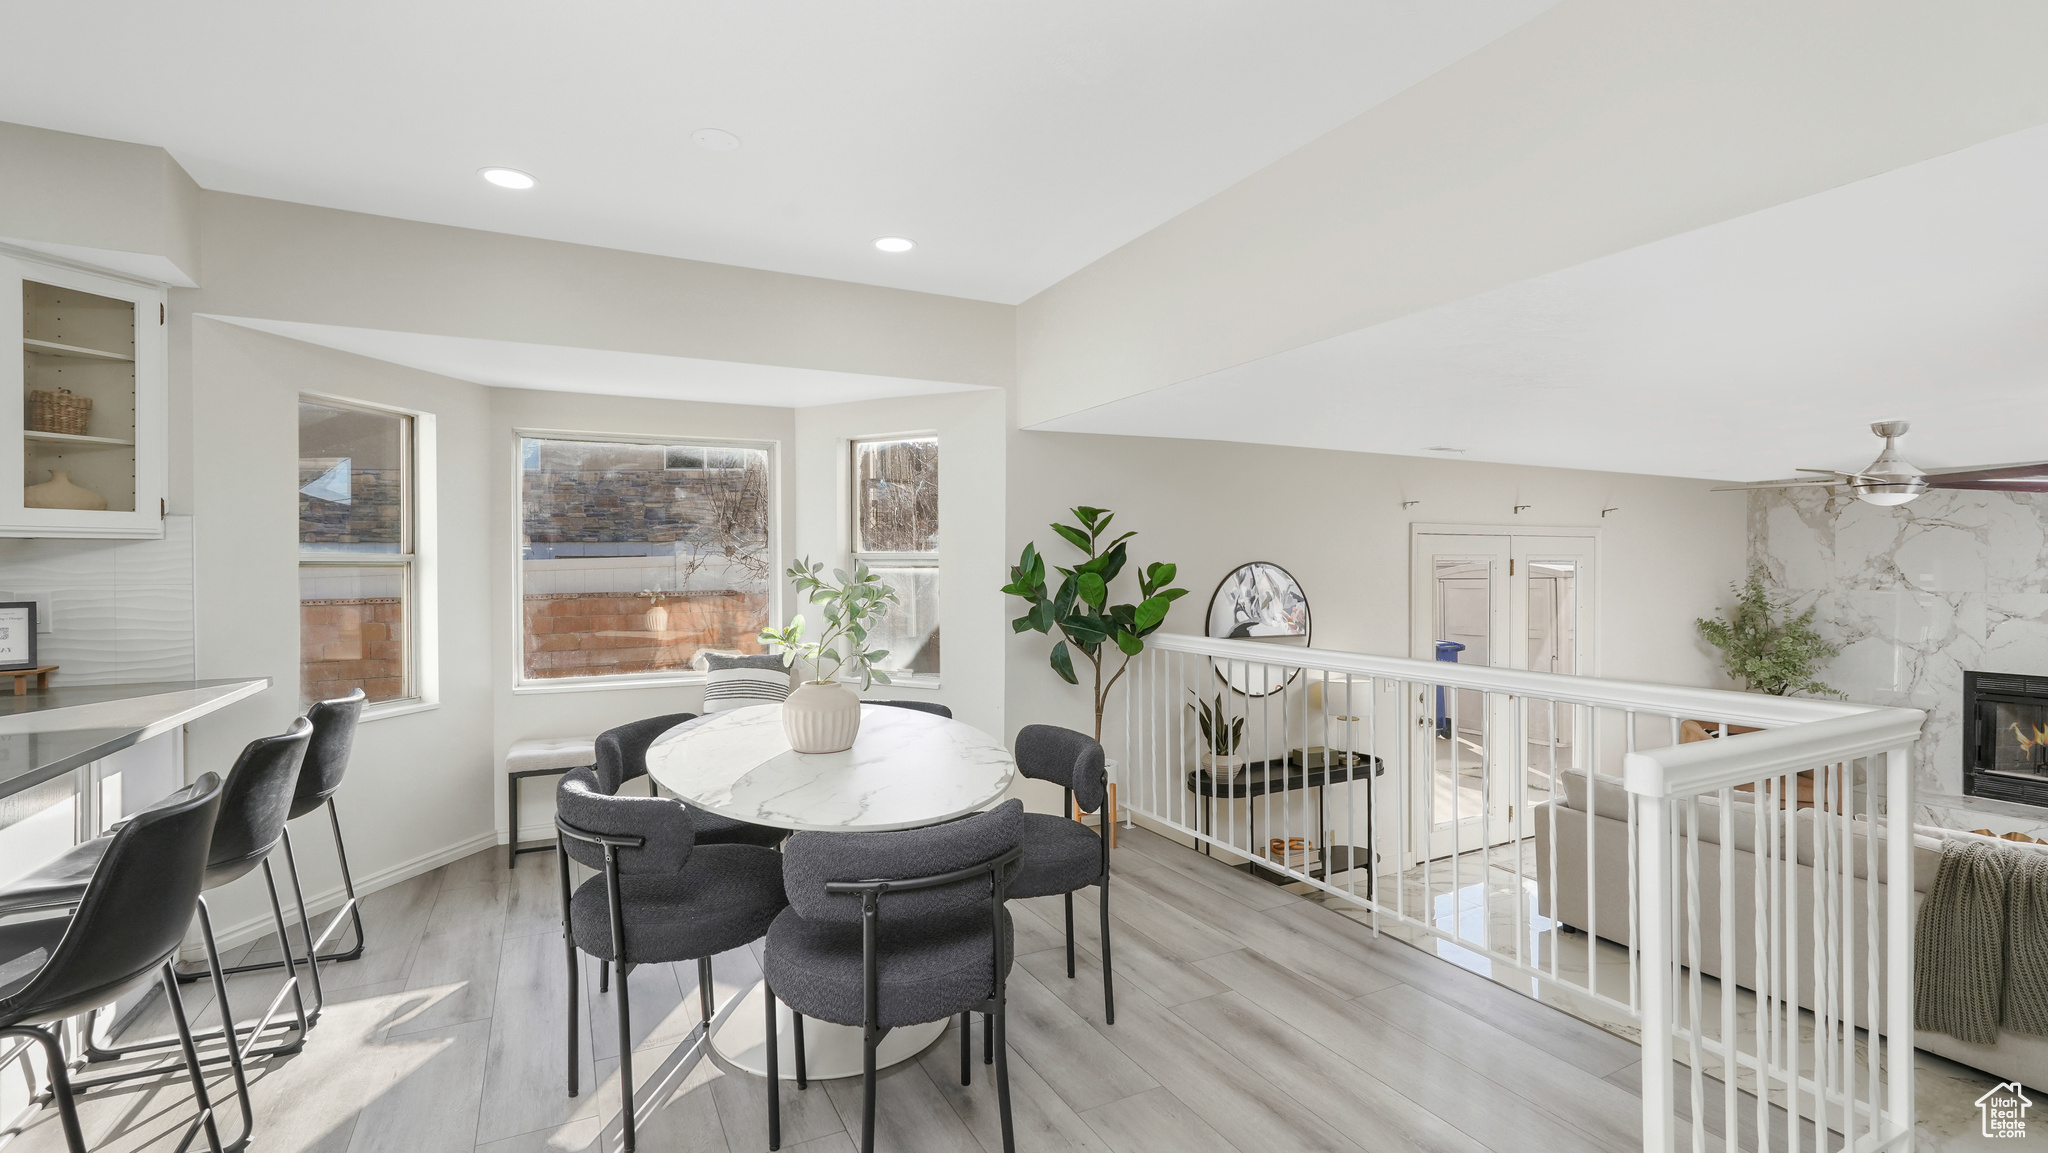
551	753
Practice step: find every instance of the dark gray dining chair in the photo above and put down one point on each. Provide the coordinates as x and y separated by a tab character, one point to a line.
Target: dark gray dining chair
659	896
933	707
891	929
1062	855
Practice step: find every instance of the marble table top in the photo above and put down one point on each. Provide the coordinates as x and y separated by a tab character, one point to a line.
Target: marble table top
907	769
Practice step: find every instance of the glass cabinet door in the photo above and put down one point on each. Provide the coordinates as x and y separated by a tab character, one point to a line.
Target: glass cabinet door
85	458
78	381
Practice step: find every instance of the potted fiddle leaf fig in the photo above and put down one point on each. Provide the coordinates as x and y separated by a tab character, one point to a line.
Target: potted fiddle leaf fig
823	714
1080	609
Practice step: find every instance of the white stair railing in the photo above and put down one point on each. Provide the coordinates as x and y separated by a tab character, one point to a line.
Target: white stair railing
1825	959
1550	830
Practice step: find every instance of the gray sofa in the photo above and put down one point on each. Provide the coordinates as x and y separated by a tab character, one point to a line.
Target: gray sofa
1563	826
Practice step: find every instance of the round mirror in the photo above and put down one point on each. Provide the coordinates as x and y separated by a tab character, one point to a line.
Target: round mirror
1260	602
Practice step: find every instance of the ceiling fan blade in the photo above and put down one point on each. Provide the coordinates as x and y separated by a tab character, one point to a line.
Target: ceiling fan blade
1846	477
1944	477
1991	484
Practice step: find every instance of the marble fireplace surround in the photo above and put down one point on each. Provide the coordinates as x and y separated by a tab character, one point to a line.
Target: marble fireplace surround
1916	595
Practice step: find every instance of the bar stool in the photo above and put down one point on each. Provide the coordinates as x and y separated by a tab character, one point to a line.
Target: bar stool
121	934
327	753
250	823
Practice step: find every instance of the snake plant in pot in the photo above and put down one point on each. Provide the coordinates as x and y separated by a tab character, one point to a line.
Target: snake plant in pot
1080	609
1221	736
823	714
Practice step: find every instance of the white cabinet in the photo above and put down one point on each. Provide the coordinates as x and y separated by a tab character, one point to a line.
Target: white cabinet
84	337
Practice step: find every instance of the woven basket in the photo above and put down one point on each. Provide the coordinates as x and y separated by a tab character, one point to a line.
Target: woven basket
58	411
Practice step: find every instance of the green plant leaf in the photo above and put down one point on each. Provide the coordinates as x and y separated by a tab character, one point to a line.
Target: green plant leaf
1130	645
1063	601
1063	664
1025	624
1151	611
1087	631
1074	537
1113	562
1087	515
1093	589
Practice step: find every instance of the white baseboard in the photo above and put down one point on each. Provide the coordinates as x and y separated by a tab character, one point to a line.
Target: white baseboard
258	927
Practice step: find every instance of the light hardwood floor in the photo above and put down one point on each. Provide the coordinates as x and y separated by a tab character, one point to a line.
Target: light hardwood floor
1248	1019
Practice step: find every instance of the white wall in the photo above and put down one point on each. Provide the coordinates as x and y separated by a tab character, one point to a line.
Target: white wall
128	207
420	786
971	568
1334	520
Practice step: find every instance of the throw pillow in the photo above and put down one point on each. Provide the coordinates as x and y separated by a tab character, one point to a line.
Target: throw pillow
735	682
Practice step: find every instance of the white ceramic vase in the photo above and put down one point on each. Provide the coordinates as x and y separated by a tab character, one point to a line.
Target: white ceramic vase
60	491
821	718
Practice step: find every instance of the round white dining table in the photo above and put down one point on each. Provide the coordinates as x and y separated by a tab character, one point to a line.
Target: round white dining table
907	769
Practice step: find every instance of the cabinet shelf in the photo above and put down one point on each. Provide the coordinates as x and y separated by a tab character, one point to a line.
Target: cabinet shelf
71	351
79	440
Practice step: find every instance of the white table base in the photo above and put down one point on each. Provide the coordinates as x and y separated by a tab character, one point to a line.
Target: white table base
829	1050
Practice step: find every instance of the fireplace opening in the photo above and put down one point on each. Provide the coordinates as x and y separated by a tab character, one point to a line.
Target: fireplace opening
2006	754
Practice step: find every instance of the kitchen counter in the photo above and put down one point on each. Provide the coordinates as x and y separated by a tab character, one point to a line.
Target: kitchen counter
46	734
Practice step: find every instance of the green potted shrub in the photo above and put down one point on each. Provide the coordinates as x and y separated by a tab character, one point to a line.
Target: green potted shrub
1766	653
823	714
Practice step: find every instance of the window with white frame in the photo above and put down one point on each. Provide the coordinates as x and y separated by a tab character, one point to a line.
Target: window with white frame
636	555
896	534
357	558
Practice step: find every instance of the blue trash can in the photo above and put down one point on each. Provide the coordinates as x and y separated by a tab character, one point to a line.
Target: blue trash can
1445	651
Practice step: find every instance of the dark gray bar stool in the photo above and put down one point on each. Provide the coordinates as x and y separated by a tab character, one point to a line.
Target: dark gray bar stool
327	753
121	933
249	825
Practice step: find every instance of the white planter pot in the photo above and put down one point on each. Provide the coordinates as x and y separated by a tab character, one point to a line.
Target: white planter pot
1222	768
821	718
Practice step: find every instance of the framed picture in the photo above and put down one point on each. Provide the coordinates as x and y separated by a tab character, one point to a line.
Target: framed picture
17	635
1263	602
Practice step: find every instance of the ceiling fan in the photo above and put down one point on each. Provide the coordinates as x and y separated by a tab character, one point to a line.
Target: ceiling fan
1890	480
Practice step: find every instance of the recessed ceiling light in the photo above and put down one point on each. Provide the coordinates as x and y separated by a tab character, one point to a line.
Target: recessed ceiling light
716	139
506	177
895	243
1442	448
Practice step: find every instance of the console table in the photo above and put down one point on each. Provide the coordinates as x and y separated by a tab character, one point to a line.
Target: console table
1292	773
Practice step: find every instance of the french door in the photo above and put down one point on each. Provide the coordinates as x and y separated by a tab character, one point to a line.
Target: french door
1505	598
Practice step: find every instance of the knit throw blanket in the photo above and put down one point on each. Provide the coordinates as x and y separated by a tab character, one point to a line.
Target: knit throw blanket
2026	945
1980	953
